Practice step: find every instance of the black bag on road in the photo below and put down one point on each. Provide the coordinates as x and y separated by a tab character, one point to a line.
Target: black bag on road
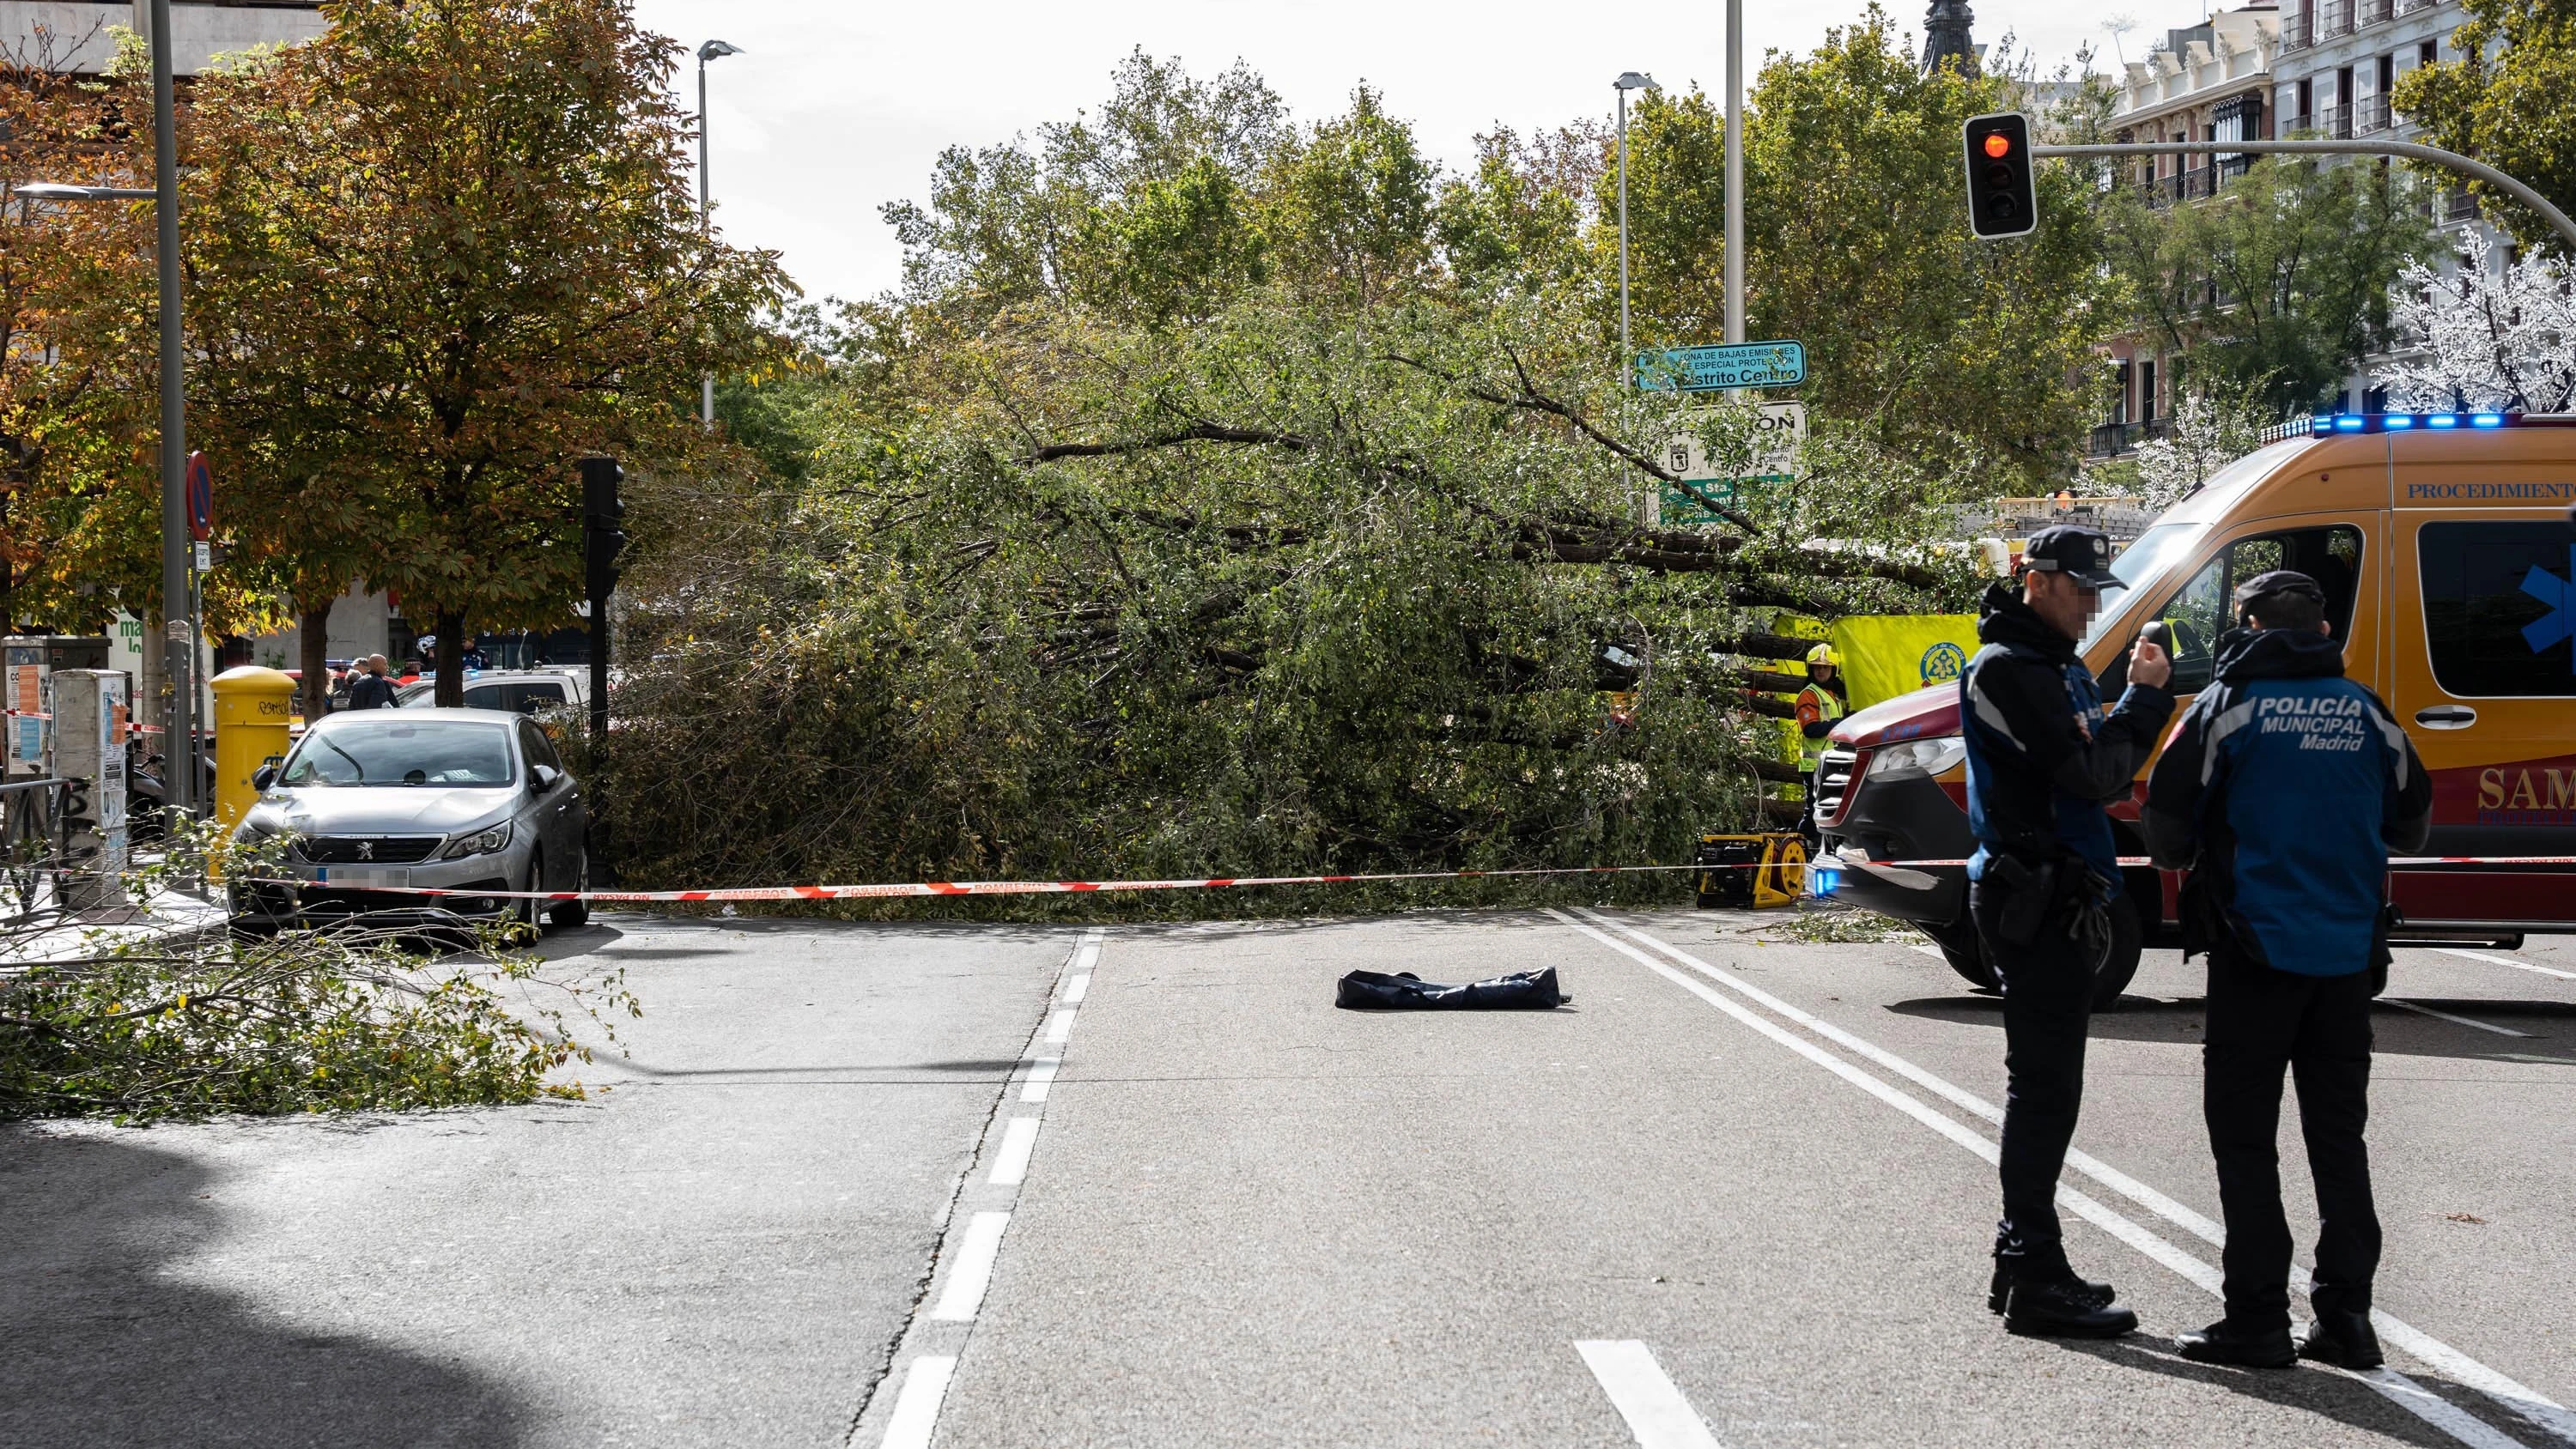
1520	991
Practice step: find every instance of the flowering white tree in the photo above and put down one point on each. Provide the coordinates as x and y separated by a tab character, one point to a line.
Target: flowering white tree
2206	434
2482	338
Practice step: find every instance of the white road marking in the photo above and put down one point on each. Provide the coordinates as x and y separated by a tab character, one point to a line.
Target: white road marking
1041	1077
1075	989
916	1409
1645	1396
1011	1163
2423	1010
1059	1026
973	1271
2435	1410
1929	950
2539	1409
2506	961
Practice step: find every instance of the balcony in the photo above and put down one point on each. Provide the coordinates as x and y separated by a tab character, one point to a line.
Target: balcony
2459	205
2336	121
2334	18
2374	12
2231	167
2110	440
2409	7
2195	183
2370	115
2296	33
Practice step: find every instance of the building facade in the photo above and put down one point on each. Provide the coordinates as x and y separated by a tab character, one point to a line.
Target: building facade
2209	82
77	36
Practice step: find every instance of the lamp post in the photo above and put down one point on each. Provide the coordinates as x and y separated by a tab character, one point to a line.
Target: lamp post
712	50
1627	81
1734	171
178	638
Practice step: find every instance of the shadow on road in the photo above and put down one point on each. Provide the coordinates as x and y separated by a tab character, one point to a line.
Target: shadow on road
2324	1392
104	1342
2396	1031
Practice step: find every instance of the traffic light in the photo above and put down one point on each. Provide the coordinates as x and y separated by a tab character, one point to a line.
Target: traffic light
602	539
2001	199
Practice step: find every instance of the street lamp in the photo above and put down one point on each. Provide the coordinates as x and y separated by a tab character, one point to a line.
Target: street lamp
178	641
1627	81
1734	171
712	50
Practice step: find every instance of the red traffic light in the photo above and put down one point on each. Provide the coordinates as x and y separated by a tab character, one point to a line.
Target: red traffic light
1999	145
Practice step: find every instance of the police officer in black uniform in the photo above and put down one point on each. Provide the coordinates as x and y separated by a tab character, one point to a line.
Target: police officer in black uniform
2042	758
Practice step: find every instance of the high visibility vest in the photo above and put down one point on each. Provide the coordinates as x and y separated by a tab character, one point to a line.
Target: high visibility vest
1815	702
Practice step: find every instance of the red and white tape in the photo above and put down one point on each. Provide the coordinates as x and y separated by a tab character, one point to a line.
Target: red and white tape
1087	887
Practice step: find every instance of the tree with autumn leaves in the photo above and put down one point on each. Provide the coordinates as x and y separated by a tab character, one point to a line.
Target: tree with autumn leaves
437	255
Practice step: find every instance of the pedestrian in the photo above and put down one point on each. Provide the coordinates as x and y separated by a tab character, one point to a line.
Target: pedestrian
1822	702
2283	791
370	689
2042	757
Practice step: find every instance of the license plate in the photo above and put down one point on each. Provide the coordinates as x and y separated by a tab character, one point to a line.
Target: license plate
362	877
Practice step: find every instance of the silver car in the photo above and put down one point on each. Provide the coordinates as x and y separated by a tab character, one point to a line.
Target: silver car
375	800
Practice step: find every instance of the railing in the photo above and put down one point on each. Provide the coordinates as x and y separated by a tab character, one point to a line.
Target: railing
2297	31
2231	167
2336	121
2374	11
2409	7
2337	19
2293	125
2112	439
2370	114
2459	206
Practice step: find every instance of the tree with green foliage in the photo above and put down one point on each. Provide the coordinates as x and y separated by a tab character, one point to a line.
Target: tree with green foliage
2509	99
2277	287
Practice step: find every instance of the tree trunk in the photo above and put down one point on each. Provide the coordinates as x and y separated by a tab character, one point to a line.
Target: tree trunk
450	662
313	641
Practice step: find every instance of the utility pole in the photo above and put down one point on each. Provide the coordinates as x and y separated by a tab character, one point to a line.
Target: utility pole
180	641
1734	171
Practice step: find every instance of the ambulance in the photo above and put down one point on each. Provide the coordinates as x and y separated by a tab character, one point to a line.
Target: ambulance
2446	545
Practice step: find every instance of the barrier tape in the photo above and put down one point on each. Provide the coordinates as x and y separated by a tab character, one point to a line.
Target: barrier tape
1084	887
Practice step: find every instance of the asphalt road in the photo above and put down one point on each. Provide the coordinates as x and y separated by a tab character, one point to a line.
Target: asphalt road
992	1188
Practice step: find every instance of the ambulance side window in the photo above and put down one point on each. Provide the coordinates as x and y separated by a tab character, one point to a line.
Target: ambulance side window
2204	608
2498	606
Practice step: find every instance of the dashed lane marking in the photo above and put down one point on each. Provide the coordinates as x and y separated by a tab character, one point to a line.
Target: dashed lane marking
2540	1410
916	1409
1019	1141
1645	1395
973	1272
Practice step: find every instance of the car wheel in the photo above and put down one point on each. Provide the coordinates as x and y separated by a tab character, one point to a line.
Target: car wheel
1965	951
527	915
575	913
2119	963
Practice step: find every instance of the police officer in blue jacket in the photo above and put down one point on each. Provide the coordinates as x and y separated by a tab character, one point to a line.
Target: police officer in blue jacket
2043	756
2284	790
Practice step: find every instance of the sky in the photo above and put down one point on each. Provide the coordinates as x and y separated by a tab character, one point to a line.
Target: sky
837	107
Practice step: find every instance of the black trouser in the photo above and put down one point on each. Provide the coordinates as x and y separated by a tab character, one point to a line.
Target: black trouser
2048	1001
2261	1020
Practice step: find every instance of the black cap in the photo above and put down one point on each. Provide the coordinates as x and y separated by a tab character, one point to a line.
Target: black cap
2279	581
2067	549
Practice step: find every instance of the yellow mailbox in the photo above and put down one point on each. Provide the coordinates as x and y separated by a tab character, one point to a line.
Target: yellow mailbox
252	708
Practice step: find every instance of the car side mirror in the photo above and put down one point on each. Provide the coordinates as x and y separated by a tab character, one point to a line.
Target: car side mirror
263	777
546	778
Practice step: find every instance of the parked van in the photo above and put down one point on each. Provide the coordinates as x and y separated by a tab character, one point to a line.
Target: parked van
2446	545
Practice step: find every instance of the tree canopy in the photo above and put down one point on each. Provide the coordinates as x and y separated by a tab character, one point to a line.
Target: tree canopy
2509	99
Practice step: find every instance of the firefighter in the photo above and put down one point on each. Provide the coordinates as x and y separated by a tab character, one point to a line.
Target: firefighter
2042	758
1823	701
2284	790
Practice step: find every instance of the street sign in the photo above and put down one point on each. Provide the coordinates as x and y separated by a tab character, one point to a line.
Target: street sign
1781	428
1717	369
201	498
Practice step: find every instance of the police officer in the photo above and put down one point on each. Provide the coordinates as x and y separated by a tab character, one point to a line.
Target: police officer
2042	757
1819	704
2283	791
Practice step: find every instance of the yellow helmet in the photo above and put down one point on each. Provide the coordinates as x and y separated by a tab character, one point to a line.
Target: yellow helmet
1824	654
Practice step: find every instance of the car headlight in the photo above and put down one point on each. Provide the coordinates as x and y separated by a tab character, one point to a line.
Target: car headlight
1918	758
481	842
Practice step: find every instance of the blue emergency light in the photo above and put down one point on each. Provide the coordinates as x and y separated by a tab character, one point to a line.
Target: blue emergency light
2338	424
1822	880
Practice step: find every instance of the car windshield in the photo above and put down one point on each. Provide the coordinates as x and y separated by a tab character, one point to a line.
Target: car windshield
431	752
2136	565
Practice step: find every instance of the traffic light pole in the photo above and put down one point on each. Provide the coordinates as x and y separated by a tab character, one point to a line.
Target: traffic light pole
2410	150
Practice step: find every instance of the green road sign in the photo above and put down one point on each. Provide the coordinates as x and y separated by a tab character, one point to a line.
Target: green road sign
1716	369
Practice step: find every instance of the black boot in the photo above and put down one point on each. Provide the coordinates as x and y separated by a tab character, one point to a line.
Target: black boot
2342	1339
2063	1308
2098	1294
2224	1342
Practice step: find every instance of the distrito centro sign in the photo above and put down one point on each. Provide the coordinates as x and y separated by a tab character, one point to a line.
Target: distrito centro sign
1717	369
